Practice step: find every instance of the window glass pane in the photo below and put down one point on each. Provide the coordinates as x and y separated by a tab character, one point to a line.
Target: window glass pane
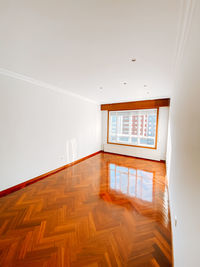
134	140
146	141
123	138
125	125
152	125
113	138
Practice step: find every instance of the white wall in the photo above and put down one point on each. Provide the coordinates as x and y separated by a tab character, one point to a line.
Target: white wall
155	154
184	182
169	151
41	130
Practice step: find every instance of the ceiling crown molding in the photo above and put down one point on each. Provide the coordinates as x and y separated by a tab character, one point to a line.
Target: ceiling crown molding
45	85
184	27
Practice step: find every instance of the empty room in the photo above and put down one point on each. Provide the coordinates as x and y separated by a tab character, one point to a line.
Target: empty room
99	133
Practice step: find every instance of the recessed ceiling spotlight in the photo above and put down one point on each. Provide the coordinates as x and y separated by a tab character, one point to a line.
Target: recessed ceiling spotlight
145	85
100	88
124	83
133	59
148	92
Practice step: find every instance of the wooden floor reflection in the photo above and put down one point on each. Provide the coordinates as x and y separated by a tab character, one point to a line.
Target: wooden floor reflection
108	210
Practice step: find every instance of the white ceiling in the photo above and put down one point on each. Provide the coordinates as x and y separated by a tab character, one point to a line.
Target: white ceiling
83	45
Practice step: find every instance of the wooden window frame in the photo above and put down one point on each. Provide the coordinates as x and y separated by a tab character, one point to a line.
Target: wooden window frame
119	144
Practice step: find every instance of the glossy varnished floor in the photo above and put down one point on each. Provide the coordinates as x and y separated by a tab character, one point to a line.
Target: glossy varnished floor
105	211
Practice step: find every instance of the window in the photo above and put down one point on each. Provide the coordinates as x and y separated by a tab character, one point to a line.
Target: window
133	127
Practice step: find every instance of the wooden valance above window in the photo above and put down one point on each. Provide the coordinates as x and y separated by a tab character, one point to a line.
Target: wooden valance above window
145	104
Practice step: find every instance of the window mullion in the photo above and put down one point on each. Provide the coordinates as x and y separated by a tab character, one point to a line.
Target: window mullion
117	128
138	133
129	127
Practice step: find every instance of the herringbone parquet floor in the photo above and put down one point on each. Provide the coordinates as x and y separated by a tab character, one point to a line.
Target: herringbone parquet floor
105	211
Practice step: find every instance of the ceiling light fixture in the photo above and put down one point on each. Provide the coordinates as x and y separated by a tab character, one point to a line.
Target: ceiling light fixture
133	59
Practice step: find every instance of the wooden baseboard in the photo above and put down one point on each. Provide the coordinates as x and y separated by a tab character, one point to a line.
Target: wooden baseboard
40	177
162	161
